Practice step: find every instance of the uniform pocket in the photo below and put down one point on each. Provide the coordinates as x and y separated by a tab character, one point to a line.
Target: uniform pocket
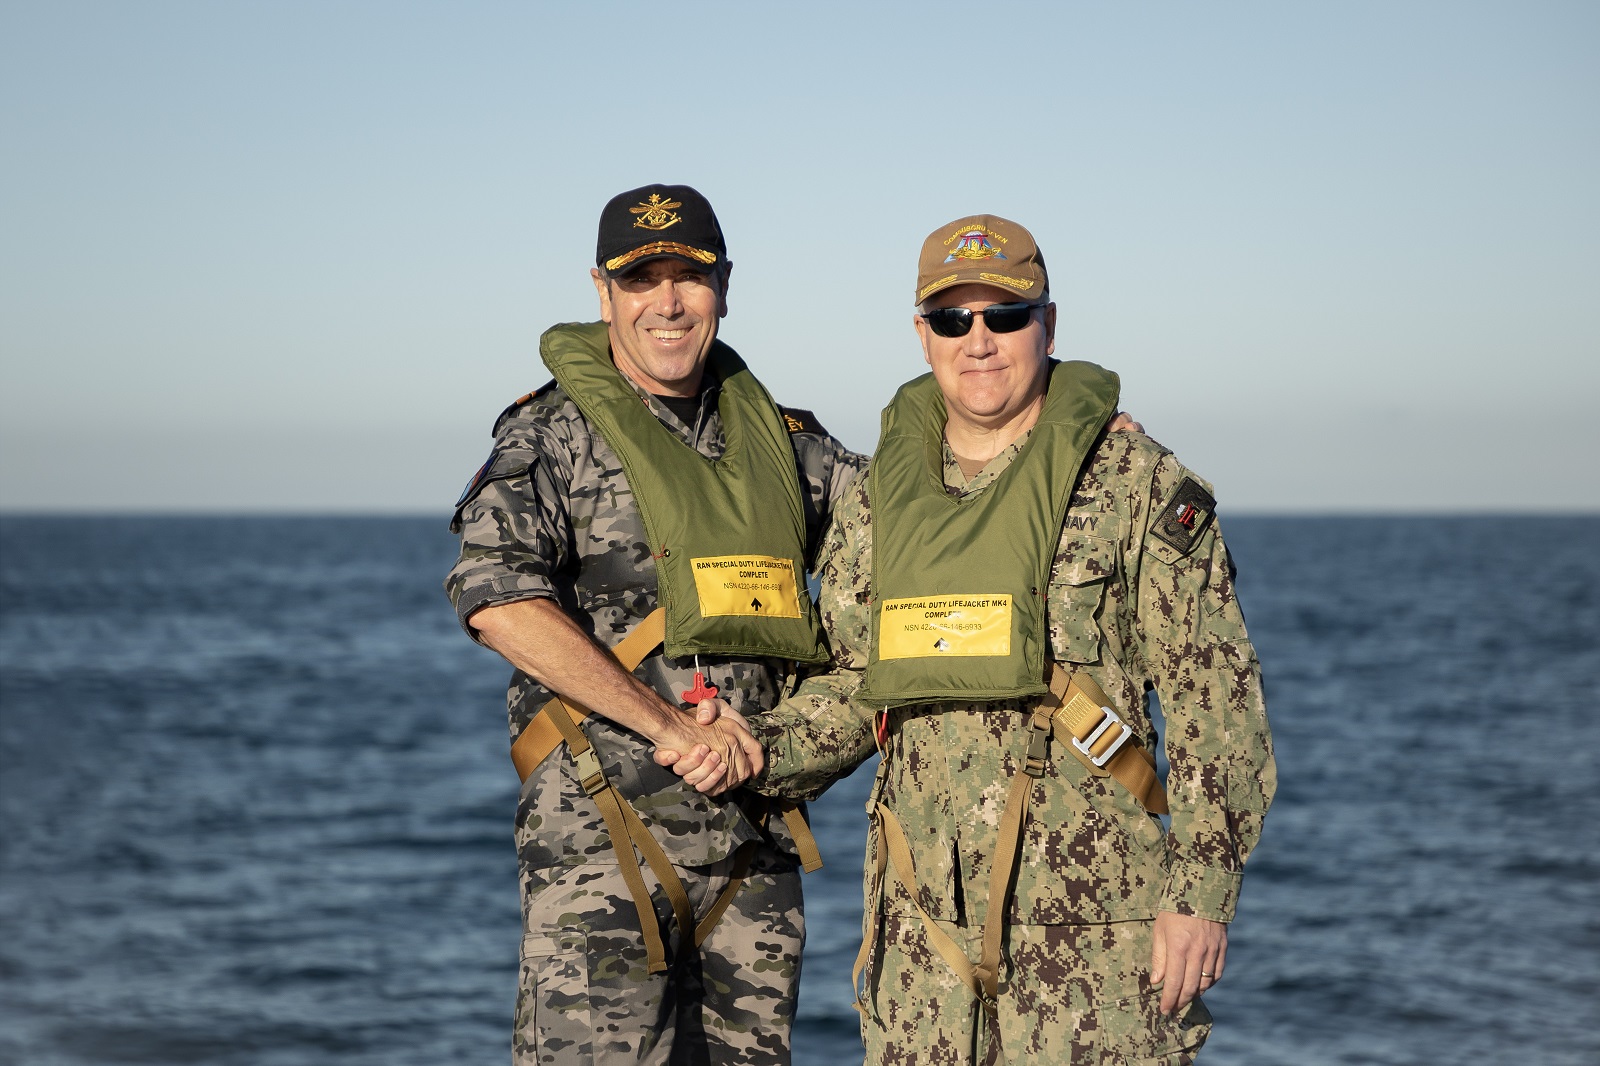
1115	805
1091	859
1136	1027
1132	1026
1079	575
553	1016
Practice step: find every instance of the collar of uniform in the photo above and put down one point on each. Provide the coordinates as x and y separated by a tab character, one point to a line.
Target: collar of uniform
957	483
710	388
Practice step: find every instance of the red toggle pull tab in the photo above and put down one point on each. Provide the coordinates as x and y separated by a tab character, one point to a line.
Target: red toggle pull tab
701	690
882	729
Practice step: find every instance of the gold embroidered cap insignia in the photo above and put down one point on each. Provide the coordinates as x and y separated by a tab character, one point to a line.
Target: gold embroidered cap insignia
974	244
655	213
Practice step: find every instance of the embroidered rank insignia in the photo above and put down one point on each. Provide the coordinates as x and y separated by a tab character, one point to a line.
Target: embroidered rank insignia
802	421
972	242
655	213
1007	280
922	293
511	408
1186	516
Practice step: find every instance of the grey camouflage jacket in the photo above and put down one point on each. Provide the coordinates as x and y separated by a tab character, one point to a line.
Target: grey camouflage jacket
551	515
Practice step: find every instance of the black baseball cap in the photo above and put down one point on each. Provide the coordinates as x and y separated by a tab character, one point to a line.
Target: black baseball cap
653	221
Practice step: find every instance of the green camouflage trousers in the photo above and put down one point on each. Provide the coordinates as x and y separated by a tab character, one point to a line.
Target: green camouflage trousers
1078	994
585	997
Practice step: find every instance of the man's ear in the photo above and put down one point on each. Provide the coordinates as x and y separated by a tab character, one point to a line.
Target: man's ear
722	297
603	287
1050	328
921	326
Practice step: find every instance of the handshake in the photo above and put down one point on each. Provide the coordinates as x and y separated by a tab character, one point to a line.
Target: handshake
713	751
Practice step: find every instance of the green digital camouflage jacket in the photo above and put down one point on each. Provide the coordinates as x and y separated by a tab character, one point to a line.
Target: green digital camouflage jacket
551	515
1137	612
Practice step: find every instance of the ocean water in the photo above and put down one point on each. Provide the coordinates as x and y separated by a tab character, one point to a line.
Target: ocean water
255	802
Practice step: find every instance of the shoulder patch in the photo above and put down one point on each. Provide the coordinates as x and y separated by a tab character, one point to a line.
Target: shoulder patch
518	402
800	420
1185	517
477	481
502	463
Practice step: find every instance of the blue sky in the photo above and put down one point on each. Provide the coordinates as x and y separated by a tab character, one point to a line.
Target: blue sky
296	256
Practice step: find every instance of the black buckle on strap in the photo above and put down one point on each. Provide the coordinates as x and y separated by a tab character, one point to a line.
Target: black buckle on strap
1038	743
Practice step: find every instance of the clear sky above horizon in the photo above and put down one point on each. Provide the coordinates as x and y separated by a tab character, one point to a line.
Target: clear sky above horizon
297	256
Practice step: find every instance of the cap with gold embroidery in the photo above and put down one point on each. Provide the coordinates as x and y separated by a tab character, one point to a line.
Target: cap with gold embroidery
658	220
982	250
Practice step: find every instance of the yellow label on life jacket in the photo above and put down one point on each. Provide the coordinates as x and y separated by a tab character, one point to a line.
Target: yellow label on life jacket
746	584
944	625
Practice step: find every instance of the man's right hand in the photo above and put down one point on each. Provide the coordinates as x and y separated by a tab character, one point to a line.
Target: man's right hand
538	638
1122	422
713	751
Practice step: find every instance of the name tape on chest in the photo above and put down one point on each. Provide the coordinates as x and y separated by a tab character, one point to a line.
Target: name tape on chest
757	585
944	625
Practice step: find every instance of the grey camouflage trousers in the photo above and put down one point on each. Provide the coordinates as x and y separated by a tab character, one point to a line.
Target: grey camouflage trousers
1078	994
585	997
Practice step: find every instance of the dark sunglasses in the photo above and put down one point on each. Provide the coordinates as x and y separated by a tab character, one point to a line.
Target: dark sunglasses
997	318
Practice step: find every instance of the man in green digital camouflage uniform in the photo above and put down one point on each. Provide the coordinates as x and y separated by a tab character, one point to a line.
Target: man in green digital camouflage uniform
1009	581
560	561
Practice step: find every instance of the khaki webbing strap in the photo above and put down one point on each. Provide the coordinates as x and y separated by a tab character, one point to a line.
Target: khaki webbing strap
534	745
984	978
1009	841
660	864
1078	707
622	824
893	840
805	844
1084	710
987	972
557	722
741	870
873	904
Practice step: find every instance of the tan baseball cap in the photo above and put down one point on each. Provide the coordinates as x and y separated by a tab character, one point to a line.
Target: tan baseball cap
982	250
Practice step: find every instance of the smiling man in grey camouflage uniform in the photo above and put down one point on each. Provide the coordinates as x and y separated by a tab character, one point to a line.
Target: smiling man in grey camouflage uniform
1001	591
569	535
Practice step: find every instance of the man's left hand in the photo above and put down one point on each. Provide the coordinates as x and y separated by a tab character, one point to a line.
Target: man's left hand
1186	957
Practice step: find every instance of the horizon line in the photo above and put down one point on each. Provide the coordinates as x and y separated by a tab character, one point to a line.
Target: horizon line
7	513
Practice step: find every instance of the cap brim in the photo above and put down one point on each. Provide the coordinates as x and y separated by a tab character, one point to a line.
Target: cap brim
999	283
703	258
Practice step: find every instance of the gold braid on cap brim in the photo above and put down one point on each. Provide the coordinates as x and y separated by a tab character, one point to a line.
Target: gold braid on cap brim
661	248
1003	279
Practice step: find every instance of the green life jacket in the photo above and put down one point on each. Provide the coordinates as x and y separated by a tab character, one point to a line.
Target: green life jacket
728	535
959	582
